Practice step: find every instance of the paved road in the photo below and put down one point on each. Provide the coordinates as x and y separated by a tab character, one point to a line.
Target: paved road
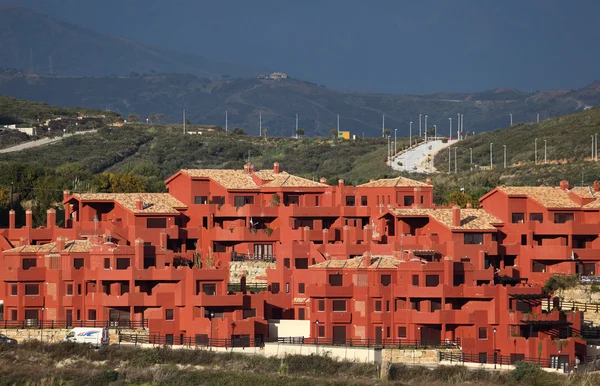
418	159
41	142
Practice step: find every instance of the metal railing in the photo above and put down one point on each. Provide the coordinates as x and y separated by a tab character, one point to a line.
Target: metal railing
54	324
499	360
252	287
376	343
575	306
191	342
250	257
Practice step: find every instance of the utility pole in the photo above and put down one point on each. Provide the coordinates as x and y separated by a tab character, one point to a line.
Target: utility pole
410	135
544	151
504	156
535	151
462	126
455	162
183	121
491	156
592	148
388	138
450	128
420	133
425	128
596	143
434	132
458	128
338	125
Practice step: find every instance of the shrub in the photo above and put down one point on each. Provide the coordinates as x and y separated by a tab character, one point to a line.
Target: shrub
560	282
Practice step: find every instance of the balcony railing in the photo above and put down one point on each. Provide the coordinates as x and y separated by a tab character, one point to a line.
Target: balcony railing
490	358
250	257
191	342
55	324
251	287
377	343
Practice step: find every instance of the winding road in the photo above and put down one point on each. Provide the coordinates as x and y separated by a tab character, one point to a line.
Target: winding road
42	142
418	158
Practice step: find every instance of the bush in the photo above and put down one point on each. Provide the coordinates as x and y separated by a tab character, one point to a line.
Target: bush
560	282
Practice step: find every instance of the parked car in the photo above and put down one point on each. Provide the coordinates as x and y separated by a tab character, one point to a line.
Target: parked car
7	340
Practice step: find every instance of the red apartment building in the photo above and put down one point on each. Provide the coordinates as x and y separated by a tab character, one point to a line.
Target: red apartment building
376	261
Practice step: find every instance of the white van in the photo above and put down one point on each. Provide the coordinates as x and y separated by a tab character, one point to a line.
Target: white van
95	336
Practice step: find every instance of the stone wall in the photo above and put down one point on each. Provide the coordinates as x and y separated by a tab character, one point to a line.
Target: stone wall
56	335
413	356
583	294
255	271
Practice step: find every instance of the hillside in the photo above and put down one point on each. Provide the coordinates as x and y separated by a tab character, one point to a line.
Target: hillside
34	42
207	100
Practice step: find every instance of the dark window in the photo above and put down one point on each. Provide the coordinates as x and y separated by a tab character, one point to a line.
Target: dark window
209	289
78	314
482	332
149	262
422	199
91	314
415	305
123	263
561	218
436	305
286	262
300	288
409	200
251	313
32	289
401	332
539	217
78	263
159	222
523	239
539	267
473	238
415	280
494	236
321	331
301	314
124	288
335	280
239	201
169	339
321	304
386	280
482	357
106	263
514	358
200	200
363	201
387	306
13	314
377	305
291	200
14	290
219	247
29	263
339	306
518	218
78	289
350	201
459	278
69	289
202	339
169	314
432	280
219	200
275	288
317	201
303	223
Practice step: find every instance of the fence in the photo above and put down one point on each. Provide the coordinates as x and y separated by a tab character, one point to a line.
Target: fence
250	257
577	306
54	324
251	287
486	358
197	341
377	343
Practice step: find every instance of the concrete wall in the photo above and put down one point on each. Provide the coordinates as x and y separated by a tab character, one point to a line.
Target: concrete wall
418	356
356	354
289	328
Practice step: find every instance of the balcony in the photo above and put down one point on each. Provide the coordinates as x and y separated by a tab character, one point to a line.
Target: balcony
228	210
341	317
311	211
551	252
592	254
328	291
20	274
33	301
204	300
245	234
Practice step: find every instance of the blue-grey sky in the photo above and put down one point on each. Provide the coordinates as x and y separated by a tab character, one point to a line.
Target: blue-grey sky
377	45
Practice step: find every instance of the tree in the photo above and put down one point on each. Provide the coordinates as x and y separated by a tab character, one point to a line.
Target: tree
387	132
132	118
120	183
334	133
265	131
299	133
461	199
238	131
155	117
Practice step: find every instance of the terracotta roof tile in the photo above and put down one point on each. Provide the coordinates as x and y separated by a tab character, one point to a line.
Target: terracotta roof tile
70	246
470	219
392	182
240	180
548	196
154	203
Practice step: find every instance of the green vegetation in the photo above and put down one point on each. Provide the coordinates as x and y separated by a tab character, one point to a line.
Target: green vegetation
560	282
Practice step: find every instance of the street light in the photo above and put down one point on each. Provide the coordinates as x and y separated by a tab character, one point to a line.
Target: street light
426	128
395	132
504	156
211	315
449	159
317	332
535	147
233	326
471	151
491	154
511	119
434	132
450	128
544	151
420	133
494	348
455	164
410	135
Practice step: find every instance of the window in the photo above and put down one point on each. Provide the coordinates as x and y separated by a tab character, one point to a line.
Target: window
78	263
169	339
321	305
201	339
13	315
409	200
106	263
239	201
518	218
483	333
401	332
69	289
387	332
78	289
339	306
377	305
159	222
287	288
251	313
301	288
482	357
275	288
291	200
219	247
473	238
415	280
386	280
32	289
303	223
316	200
432	280
350	201
91	314
436	305
335	280
494	236
209	289
14	290
523	239
169	314
200	200
459	278
321	331
301	314
286	262
422	199
539	217
123	263
415	305
561	218
124	288
363	201
539	267
78	314
387	306
29	263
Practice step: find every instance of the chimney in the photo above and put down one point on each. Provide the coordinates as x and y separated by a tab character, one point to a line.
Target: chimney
469	206
50	218
246	167
11	219
564	185
250	168
60	244
139	204
366	259
596	186
323	180
139	253
28	218
428	181
341	182
368	235
371	180
325	236
456	216
346	234
276	168
66	194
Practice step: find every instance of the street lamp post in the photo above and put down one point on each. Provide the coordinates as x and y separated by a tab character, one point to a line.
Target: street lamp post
395	133
538	117
317	332
535	150
491	156
426	128
504	156
596	144
449	159
434	132
450	128
211	315
455	164
458	126
592	147
420	131
511	119
410	135
545	147
494	348
388	138
471	151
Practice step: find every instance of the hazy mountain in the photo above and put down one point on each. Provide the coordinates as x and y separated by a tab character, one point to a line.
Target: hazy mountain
34	42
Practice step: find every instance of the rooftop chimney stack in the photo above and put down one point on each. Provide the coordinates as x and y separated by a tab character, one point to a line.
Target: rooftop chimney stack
456	216
276	169
250	168
323	180
11	219
367	259
371	180
50	218
28	218
596	186
66	194
60	244
139	204
428	181
341	182
564	185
